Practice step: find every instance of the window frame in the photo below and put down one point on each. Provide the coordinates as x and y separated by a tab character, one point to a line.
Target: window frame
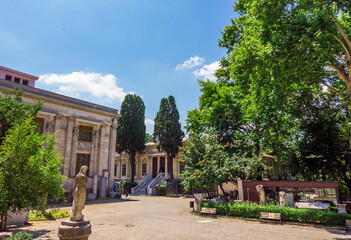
124	170
115	170
8	76
181	167
40	125
85	133
144	171
85	159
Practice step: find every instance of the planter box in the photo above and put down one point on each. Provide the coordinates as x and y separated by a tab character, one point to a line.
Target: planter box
17	219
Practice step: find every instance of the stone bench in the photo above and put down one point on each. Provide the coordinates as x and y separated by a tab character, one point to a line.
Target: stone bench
348	225
271	216
208	211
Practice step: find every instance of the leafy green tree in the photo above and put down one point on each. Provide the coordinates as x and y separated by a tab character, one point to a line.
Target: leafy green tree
219	111
207	163
148	138
29	169
131	128
167	130
323	150
310	40
13	111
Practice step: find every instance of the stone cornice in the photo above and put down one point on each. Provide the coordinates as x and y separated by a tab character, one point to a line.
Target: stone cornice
46	96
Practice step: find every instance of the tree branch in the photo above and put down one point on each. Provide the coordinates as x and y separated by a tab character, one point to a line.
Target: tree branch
343	47
340	71
342	32
343	60
334	90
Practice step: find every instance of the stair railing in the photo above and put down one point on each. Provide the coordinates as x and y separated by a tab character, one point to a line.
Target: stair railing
142	183
151	188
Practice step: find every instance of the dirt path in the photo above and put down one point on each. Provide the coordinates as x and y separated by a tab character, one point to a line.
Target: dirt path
143	217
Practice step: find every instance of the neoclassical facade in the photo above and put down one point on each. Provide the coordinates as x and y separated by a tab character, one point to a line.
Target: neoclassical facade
150	161
86	132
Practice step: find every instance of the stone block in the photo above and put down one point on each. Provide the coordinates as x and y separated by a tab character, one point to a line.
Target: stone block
74	230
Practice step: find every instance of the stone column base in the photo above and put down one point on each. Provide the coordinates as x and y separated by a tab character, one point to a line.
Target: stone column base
74	230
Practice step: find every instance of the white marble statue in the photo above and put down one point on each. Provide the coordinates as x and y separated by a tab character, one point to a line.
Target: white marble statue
79	194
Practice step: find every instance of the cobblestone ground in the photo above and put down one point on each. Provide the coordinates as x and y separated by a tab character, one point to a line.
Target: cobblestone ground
143	217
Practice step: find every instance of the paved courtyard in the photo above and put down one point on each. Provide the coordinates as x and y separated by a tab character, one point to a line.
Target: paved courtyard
143	217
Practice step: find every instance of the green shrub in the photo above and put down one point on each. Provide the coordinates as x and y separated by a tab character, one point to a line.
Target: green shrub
21	236
49	214
127	186
247	210
162	189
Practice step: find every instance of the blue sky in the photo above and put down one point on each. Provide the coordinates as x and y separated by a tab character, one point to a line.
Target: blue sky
101	50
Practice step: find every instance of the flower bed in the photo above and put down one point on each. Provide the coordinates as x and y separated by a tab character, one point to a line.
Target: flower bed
52	213
247	210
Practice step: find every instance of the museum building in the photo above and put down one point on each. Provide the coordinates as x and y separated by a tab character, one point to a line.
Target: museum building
86	131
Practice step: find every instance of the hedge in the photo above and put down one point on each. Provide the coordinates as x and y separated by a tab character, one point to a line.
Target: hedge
247	210
162	189
129	184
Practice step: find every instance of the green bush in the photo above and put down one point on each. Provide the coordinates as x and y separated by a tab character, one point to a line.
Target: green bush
127	186
247	210
21	236
49	214
162	189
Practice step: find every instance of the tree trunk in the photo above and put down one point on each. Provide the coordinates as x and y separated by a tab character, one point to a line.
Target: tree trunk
221	186
170	166
132	164
2	223
5	220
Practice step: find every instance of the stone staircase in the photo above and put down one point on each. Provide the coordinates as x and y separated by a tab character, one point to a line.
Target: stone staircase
141	188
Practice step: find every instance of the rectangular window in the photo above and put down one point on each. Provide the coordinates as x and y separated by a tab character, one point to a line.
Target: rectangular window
115	170
8	77
124	170
144	169
85	133
82	160
40	125
25	82
181	167
16	80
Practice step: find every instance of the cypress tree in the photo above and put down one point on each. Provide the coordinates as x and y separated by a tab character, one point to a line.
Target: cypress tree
131	128
167	130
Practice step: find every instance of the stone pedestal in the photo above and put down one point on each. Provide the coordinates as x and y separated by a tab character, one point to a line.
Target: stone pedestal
74	230
341	208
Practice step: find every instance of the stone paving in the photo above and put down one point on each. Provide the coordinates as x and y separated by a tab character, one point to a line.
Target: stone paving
143	217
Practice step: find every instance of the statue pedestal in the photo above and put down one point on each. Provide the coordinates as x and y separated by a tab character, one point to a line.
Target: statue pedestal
74	230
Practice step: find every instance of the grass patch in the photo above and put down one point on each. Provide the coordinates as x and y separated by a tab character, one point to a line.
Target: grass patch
52	213
247	210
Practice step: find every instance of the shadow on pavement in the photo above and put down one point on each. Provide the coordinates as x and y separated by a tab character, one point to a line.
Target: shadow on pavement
340	232
91	202
110	201
36	234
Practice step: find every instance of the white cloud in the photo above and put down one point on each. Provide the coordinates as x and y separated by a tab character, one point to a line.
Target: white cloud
149	121
207	71
191	63
95	84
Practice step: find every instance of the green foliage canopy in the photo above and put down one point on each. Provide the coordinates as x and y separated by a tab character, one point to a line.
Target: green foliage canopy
29	169
13	111
167	130
208	163
29	163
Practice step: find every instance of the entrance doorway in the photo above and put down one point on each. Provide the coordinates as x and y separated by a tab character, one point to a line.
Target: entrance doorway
162	164
154	167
